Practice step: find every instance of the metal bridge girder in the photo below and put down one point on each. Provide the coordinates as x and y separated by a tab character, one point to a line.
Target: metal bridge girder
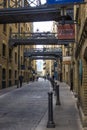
15	42
43	58
52	53
19	11
29	14
26	54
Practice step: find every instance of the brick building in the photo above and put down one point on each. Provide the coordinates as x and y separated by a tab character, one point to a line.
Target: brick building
12	58
79	60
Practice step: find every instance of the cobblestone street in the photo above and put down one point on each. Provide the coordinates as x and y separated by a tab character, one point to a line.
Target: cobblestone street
23	108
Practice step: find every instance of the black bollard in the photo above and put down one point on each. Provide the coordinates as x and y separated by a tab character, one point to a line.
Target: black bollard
50	123
57	95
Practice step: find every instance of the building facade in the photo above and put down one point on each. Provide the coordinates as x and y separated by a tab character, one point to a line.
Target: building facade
12	60
79	61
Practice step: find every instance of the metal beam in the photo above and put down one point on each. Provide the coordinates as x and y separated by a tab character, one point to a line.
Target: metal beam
44	49
43	58
43	54
27	54
46	38
29	14
15	42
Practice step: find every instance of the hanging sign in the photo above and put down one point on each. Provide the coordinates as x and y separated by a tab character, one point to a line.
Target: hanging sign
66	31
63	1
67	60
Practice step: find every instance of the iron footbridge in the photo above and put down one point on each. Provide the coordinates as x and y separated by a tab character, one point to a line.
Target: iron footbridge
43	53
21	11
43	58
37	39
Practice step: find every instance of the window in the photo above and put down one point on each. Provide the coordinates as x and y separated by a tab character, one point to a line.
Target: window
26	26
4	4
10	74
10	54
3	50
15	73
3	74
28	29
10	31
21	60
21	29
15	58
16	25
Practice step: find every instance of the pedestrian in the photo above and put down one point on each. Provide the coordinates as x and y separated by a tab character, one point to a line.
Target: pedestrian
20	80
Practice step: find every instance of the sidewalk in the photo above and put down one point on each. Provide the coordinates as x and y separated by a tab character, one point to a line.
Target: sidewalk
66	116
6	90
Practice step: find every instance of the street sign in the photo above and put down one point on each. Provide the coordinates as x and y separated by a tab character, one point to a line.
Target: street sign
67	60
63	1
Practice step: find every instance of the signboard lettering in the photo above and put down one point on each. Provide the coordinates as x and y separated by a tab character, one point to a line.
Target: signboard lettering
66	31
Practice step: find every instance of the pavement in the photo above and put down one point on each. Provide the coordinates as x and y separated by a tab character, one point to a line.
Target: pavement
65	115
6	90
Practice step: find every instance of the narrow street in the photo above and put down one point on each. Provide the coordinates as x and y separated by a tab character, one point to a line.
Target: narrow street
23	108
26	108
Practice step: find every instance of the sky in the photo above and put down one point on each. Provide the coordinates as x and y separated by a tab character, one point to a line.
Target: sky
42	27
35	1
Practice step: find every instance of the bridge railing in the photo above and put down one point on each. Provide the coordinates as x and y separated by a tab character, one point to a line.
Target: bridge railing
43	58
32	35
49	50
43	52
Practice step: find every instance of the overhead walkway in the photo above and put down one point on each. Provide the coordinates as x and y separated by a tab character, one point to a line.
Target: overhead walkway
37	39
19	15
22	11
44	53
43	58
55	52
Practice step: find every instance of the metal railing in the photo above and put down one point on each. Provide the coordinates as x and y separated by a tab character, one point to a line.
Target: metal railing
46	38
39	53
38	50
33	35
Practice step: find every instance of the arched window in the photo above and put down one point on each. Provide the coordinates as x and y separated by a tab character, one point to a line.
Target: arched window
4	3
3	50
